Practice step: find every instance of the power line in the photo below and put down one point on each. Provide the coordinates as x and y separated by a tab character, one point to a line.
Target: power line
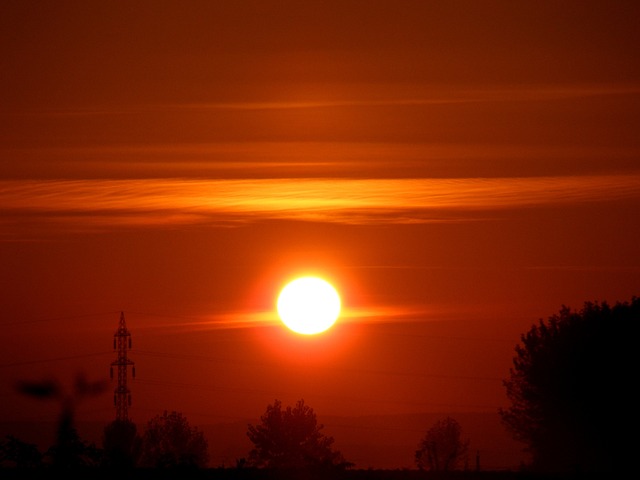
54	359
185	356
56	319
254	391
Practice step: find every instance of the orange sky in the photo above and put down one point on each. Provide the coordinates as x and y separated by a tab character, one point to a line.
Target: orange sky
457	169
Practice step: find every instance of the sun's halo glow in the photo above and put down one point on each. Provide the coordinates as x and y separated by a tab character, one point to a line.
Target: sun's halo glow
308	305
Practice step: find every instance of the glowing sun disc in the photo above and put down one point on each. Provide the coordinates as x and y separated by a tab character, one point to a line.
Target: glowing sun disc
308	305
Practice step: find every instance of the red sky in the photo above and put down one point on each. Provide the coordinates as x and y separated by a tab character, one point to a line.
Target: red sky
458	170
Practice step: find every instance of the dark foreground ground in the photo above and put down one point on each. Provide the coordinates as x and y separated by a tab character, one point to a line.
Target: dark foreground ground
250	474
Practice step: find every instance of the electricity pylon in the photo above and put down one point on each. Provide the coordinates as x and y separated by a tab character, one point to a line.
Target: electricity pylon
122	394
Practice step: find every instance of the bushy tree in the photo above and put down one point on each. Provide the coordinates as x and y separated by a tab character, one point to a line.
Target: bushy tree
69	451
169	441
442	449
19	454
121	444
292	439
572	388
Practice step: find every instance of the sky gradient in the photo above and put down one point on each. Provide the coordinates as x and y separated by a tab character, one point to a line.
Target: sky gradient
458	170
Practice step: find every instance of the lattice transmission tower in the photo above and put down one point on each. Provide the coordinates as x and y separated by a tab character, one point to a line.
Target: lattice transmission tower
122	394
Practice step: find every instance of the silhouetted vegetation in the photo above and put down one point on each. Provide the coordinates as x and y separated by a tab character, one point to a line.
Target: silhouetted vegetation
169	441
19	454
571	391
292	439
121	444
572	388
442	449
69	451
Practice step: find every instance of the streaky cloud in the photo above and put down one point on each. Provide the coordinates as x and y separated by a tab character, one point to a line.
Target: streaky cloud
424	96
233	320
313	159
99	204
364	96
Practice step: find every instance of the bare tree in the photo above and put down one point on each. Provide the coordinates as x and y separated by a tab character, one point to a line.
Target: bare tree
442	448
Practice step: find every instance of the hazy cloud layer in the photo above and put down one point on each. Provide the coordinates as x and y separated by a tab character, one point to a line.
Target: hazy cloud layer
101	204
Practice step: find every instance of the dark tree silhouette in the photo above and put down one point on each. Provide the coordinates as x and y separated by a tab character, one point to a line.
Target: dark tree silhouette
169	441
292	439
69	451
16	453
121	444
572	388
442	449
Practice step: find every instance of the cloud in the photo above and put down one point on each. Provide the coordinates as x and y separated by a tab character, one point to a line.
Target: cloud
423	96
101	204
269	318
362	96
244	160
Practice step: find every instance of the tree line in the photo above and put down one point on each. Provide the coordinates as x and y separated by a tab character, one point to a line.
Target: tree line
285	439
571	392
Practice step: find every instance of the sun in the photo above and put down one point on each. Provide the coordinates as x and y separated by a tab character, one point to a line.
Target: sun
309	305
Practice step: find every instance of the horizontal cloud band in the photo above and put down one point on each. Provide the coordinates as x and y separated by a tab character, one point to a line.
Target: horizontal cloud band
359	201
